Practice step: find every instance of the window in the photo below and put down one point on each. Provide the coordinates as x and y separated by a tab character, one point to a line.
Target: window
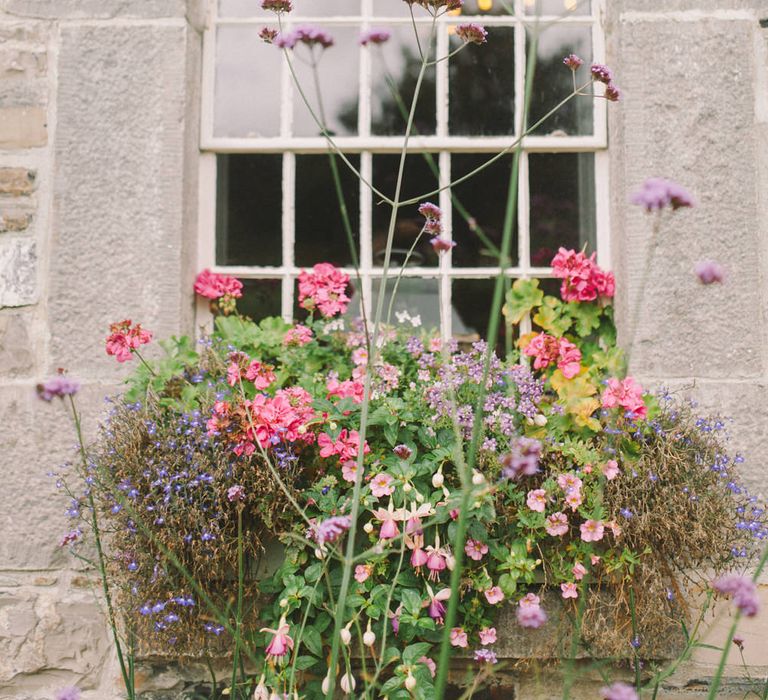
269	207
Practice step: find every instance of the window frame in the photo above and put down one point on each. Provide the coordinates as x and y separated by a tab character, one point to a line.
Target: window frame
441	144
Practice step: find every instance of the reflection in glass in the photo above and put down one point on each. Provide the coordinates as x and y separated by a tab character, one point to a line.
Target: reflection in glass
338	71
261	298
480	202
554	82
482	86
472	301
562	192
320	233
247	92
248	209
418	178
416	295
394	70
487	7
557	7
388	8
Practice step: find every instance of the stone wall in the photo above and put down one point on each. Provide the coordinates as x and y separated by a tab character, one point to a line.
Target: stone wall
98	154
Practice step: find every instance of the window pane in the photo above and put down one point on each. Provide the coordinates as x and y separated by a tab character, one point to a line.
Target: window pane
486	7
338	70
249	210
394	70
482	85
241	8
554	82
416	295
562	191
261	298
320	233
247	93
302	8
390	8
479	205
418	178
557	7
472	301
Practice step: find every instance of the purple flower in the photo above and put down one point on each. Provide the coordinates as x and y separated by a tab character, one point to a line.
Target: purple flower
268	34
657	193
472	33
330	530
612	93
573	61
485	656
277	5
531	616
70	537
601	73
235	493
709	272
441	245
619	691
738	640
430	211
523	459
374	36
743	591
403	451
60	386
311	36
71	693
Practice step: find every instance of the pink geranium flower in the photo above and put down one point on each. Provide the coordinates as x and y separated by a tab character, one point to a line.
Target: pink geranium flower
569	590
627	394
547	350
324	289
537	500
346	446
494	595
475	549
556	524
212	285
281	642
582	279
592	531
298	335
124	338
488	636
382	485
458	638
346	389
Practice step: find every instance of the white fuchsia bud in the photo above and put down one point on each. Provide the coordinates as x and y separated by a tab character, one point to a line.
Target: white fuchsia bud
346	635
348	683
326	684
368	527
410	681
478	479
369	638
407	487
540	419
438	479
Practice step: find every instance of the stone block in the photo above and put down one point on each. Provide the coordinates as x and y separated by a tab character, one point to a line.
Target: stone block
697	8
31	33
17	63
14	221
16	181
17	349
18	272
22	127
95	9
119	189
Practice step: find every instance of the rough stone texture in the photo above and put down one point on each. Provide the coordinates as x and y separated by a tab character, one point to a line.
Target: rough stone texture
18	272
16	181
93	9
17	356
22	127
14	221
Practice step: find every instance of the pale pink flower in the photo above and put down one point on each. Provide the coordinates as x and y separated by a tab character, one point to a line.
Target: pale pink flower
389	518
360	356
436	560
298	335
494	595
475	549
124	338
531	616
459	638
610	469
592	531
557	524
488	636
349	470
627	394
435	344
537	500
529	599
614	527
430	664
569	590
569	360
324	289
382	485
594	559
578	570
569	481
362	572
281	642
574	498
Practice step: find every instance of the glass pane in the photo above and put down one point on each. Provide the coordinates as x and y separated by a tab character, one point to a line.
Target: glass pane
478	209
557	7
482	85
487	7
416	295
562	203
397	8
338	70
247	93
302	8
394	70
472	301
241	8
320	233
261	298
554	82
249	209
418	178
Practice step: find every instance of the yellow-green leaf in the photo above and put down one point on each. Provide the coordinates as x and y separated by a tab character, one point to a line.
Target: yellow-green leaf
524	296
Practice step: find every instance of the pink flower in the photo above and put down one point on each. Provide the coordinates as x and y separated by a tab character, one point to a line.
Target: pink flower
531	616
346	446
298	335
569	590
582	279
549	350
381	485
743	590
418	558
389	518
578	570
362	572
441	245
436	560
212	285
430	664
360	356
261	375
324	289
614	527
529	599
475	549
569	358
434	605
626	393
374	36
569	481
494	595
619	691
658	193
124	338
280	642
458	638
594	559
592	531
557	524
488	636
573	498
346	389
610	469
709	272
537	500
348	470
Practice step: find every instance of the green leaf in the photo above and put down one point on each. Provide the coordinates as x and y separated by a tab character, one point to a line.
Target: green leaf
390	433
524	296
550	317
312	641
586	316
411	601
313	572
305	662
391	685
414	652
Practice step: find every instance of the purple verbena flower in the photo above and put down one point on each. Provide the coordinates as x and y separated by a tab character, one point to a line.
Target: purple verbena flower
70	693
430	211
573	61
601	73
330	530
709	272
472	33
235	493
612	93
523	458
310	36
619	691
441	245
59	385
658	193
743	591
277	5
374	36
268	34
485	656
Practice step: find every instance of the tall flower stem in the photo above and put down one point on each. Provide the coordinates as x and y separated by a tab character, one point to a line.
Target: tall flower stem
239	608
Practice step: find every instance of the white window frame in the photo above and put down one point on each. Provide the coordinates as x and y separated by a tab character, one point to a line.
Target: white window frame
366	145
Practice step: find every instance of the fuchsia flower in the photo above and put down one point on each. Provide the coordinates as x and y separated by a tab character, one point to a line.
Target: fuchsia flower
436	559
569	590
626	393
557	524
324	289
124	338
389	518
494	595
475	549
381	485
582	279
488	636
537	500
362	572
298	335
592	530
418	558
458	638
281	642
610	469
436	609
212	285
548	350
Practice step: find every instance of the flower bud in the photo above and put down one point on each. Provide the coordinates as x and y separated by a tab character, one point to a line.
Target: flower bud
438	479
410	681
478	479
529	421
283	602
540	419
332	425
368	527
407	487
419	498
345	635
369	638
325	684
319	553
348	683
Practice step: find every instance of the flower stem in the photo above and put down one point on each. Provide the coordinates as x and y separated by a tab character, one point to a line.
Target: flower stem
239	608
